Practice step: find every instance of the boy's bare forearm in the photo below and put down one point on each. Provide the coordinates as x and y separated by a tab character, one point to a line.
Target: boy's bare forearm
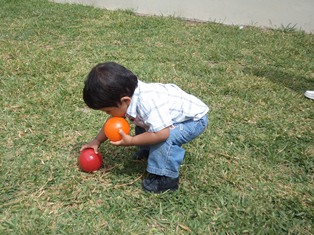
146	138
101	137
149	138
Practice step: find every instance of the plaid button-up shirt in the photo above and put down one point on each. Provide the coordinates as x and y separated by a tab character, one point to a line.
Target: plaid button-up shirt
156	106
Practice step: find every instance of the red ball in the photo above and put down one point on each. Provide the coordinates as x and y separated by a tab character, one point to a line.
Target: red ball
90	161
112	127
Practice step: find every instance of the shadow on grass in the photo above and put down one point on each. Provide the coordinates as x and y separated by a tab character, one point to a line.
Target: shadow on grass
118	159
294	82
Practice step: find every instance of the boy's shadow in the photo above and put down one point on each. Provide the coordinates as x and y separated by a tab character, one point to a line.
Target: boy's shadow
116	159
294	82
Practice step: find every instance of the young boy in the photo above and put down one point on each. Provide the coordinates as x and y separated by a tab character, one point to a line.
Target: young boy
165	117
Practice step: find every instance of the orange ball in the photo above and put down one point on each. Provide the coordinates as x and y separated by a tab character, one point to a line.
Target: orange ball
112	127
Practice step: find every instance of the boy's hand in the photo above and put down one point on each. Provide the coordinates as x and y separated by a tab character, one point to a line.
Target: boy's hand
125	141
146	138
94	144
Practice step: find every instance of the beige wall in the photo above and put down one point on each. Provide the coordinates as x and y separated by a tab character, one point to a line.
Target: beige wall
266	13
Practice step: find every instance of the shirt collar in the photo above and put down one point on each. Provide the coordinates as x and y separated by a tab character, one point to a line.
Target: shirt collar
131	111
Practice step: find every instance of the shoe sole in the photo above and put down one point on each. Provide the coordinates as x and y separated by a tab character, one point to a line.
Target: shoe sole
160	191
308	95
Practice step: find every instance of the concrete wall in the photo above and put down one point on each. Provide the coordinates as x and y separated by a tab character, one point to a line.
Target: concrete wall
266	13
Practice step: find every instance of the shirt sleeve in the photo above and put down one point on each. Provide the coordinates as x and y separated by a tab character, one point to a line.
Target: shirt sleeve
156	114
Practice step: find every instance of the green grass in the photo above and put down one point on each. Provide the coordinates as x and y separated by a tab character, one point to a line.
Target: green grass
251	172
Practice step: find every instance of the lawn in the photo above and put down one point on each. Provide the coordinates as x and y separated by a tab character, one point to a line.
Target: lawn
250	172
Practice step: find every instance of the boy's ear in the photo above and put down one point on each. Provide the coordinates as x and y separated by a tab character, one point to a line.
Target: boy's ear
126	99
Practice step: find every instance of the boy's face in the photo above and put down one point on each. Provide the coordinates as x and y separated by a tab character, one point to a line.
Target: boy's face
119	111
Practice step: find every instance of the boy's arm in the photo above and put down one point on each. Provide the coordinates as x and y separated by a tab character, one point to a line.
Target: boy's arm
146	138
101	137
95	143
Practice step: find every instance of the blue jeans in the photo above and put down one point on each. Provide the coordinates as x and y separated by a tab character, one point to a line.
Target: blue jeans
166	157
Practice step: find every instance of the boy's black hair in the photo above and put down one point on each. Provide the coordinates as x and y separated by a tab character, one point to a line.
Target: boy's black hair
106	84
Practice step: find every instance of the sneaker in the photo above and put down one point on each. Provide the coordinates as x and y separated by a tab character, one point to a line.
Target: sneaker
158	183
141	154
309	94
